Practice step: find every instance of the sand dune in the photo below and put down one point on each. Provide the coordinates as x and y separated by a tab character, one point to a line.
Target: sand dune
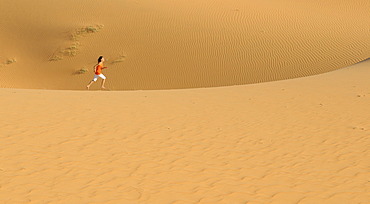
299	141
178	44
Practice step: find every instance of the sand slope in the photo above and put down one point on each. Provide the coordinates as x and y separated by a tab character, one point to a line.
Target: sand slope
166	44
296	141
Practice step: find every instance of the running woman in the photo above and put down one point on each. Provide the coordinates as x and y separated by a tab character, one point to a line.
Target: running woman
98	73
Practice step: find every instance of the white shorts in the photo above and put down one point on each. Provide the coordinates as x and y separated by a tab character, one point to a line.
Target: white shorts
97	76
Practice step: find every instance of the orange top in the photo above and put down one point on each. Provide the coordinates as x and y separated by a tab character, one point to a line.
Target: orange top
98	69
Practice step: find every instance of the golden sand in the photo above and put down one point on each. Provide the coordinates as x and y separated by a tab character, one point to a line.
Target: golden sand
300	141
302	137
166	44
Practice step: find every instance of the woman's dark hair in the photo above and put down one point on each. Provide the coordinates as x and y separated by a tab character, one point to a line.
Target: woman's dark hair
99	59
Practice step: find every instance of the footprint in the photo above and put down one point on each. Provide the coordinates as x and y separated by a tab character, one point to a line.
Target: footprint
359	128
9	61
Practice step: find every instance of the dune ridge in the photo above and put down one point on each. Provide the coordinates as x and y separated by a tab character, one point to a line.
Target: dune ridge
180	44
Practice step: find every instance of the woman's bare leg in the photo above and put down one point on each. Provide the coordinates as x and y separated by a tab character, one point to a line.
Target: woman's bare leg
91	82
102	84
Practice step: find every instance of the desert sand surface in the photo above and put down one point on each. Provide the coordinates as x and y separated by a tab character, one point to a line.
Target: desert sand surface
301	141
208	101
167	44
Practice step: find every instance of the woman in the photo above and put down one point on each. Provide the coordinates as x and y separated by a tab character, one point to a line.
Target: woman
98	73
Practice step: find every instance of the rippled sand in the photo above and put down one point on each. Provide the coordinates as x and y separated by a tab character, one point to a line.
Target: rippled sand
300	141
166	44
